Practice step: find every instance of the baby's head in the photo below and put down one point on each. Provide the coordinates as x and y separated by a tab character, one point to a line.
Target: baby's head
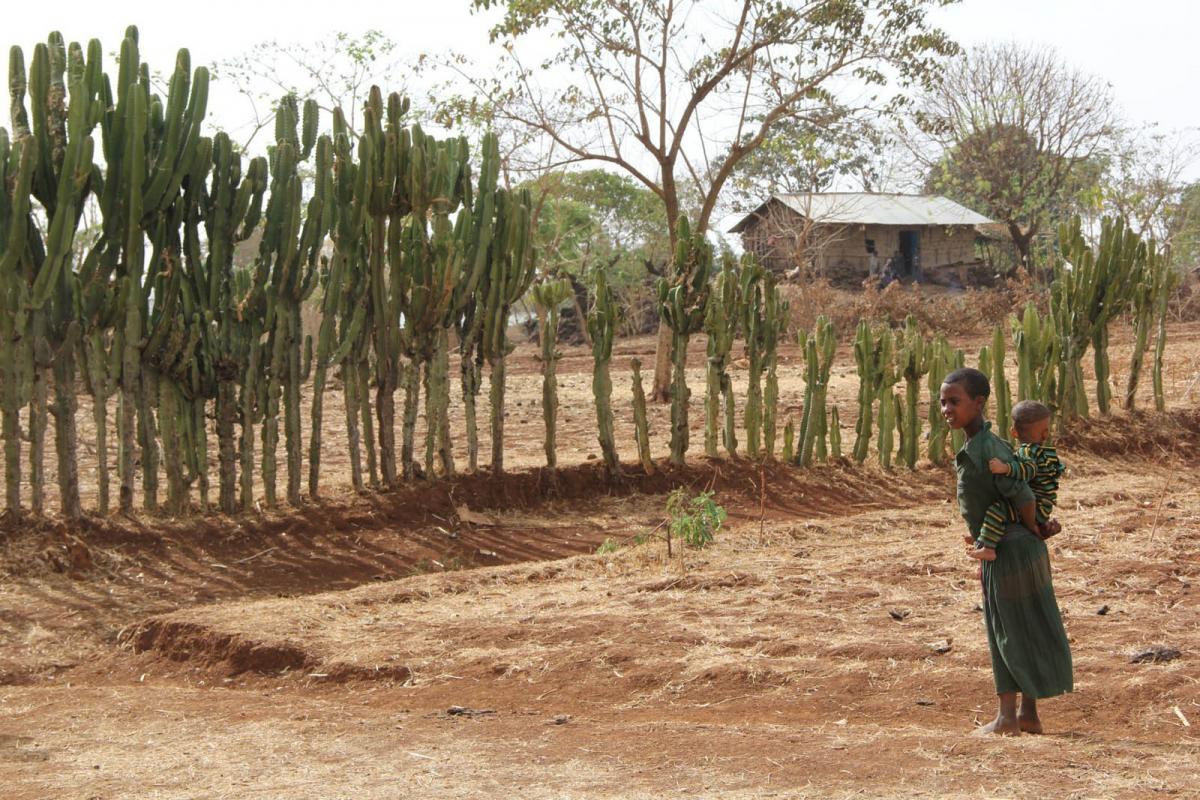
1031	422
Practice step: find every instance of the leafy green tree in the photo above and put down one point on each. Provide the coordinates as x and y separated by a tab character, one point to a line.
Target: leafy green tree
676	93
1009	131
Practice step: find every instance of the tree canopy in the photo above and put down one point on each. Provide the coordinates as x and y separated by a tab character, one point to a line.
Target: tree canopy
1008	131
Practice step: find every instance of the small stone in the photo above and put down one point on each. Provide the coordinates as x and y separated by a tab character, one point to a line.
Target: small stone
898	614
562	719
1158	654
924	702
1103	611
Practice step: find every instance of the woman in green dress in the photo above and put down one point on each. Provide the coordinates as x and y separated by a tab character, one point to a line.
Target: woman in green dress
1030	653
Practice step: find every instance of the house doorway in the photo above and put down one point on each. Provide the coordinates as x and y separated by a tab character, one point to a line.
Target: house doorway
910	255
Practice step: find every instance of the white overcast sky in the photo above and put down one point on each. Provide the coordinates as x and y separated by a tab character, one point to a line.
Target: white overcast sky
1147	50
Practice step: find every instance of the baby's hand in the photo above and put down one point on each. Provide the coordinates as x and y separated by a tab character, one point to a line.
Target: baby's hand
998	467
969	539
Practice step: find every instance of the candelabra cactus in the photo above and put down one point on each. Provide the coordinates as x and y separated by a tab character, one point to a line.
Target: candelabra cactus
17	161
290	250
754	332
913	361
1148	295
818	348
942	359
602	325
1036	349
641	424
509	273
1000	388
868	358
888	402
1090	288
682	301
549	296
1162	297
776	317
721	324
468	309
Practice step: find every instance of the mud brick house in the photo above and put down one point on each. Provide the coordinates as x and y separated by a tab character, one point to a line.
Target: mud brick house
846	236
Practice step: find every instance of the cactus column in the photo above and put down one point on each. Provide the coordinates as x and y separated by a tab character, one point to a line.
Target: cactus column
549	297
602	325
721	323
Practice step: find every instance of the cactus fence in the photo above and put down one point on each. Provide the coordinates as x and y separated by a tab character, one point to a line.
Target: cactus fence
405	248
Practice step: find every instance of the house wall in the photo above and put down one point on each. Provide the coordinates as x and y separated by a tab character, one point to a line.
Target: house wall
841	250
844	248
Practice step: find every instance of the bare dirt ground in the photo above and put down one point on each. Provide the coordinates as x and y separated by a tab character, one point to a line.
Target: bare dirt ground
462	639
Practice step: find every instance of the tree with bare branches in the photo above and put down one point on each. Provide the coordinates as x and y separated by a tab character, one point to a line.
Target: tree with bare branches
677	93
1007	129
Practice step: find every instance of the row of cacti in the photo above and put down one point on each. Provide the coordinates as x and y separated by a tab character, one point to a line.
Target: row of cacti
402	245
387	223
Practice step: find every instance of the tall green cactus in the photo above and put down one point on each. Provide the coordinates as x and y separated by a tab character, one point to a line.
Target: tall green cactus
602	326
641	423
776	322
942	359
468	311
1036	349
819	348
888	402
869	359
510	271
1162	298
721	324
682	301
913	360
1091	287
754	333
17	161
549	295
293	234
61	183
1000	387
1150	293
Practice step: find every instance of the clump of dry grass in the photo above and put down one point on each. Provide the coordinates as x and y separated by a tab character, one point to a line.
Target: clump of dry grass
954	313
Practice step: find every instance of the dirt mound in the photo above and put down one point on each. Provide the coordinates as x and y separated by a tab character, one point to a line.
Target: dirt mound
1138	433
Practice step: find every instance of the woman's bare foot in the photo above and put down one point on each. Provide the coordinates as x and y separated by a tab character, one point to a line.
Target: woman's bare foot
982	553
1028	717
1004	726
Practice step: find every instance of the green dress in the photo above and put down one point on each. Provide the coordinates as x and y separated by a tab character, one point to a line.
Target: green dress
1029	648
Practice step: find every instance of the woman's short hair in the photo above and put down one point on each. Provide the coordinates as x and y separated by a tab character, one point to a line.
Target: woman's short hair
972	380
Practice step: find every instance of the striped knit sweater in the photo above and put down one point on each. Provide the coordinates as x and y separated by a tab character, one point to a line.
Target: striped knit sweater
1039	466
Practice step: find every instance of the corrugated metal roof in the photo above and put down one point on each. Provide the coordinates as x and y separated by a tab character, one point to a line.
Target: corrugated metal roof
858	208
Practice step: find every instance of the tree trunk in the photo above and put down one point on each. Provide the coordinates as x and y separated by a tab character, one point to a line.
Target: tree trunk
660	392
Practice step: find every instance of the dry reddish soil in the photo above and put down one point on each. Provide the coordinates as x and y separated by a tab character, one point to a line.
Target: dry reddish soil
463	639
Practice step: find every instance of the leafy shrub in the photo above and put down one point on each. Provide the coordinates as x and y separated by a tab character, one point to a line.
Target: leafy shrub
694	520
